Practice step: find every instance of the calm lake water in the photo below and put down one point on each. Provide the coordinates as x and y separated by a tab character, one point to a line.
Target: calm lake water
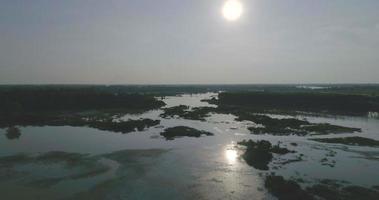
143	165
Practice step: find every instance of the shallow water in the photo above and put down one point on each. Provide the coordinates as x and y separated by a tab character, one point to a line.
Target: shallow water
143	165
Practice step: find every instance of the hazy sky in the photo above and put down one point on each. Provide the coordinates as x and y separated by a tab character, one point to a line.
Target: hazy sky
188	41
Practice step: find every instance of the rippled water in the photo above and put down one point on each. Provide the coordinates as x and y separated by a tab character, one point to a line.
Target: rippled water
143	165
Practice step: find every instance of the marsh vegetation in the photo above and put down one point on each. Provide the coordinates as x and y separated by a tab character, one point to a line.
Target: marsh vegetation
329	103
183	131
326	190
260	153
51	141
355	141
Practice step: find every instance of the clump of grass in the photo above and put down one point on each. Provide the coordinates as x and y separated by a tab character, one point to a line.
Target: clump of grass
260	153
326	189
286	189
124	126
13	133
289	126
183	131
182	111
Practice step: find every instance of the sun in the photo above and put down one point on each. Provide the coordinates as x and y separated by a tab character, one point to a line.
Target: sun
232	10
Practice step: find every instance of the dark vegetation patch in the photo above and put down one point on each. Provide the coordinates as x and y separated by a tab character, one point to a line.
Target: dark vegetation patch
289	126
356	141
183	131
73	106
285	126
174	111
318	102
286	189
182	111
13	133
212	100
259	154
298	158
325	190
125	126
25	100
325	128
328	162
101	123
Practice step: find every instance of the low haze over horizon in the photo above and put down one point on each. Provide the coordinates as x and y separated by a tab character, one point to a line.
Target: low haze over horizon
188	42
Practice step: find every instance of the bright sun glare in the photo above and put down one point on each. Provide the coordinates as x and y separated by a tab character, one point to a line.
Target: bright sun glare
232	10
231	155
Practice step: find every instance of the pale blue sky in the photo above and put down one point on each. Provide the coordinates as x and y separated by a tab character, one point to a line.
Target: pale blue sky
188	41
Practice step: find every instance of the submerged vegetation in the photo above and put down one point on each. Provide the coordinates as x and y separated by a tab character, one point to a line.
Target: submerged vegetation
62	169
356	141
259	154
183	131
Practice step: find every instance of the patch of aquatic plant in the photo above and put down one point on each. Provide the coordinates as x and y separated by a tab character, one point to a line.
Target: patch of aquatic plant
356	141
182	111
328	162
326	190
73	106
286	189
104	122
298	158
183	131
325	128
13	133
290	126
212	100
124	126
174	111
260	153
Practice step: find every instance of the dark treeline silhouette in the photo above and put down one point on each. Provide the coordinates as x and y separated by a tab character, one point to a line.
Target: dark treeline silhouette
19	100
163	90
345	99
310	102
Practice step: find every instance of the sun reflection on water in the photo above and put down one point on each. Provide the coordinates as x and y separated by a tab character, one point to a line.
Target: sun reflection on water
231	154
